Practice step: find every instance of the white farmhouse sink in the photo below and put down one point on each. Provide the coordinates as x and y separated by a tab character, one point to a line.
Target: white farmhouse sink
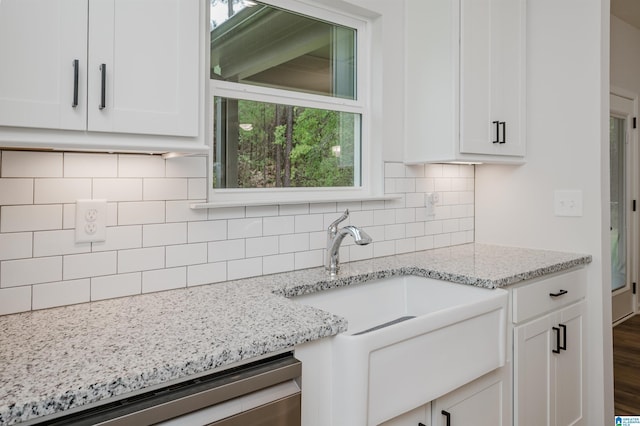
410	340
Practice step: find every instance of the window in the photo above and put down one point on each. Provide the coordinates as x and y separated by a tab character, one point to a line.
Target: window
289	113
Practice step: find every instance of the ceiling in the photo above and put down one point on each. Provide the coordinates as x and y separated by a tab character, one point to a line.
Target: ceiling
627	10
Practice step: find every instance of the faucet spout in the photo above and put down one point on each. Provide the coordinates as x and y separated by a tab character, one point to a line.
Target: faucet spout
335	236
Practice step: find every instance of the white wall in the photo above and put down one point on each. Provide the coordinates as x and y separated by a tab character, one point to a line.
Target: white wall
625	60
567	148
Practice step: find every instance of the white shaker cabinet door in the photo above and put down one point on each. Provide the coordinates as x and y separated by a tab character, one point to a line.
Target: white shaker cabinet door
43	47
144	66
492	77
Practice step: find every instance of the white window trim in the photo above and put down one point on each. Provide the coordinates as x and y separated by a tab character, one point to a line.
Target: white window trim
371	172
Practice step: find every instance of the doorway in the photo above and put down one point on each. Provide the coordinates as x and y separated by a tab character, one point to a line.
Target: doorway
623	199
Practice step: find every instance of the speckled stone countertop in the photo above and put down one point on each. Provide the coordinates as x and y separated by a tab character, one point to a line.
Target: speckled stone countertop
56	359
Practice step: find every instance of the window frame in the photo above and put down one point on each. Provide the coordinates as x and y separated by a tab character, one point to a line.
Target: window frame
361	106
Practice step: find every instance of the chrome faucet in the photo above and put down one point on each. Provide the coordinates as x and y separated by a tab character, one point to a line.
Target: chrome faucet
335	237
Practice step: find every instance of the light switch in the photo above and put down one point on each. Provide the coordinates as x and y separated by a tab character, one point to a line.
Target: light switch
567	203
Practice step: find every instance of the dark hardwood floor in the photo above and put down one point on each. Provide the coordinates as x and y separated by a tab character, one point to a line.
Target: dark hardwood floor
626	367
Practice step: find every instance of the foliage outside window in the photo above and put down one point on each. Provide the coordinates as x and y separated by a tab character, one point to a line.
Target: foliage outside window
286	110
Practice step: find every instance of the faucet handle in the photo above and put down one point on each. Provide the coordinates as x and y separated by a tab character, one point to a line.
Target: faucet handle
334	224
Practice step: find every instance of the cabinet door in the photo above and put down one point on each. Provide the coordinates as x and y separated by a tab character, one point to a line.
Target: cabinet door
420	416
492	85
569	369
479	403
39	42
532	369
150	49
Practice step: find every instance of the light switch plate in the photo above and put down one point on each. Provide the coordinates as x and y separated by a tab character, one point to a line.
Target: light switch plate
567	203
91	220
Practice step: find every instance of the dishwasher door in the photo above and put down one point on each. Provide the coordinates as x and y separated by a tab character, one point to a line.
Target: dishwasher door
262	393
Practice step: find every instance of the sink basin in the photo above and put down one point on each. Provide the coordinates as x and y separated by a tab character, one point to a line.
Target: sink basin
410	340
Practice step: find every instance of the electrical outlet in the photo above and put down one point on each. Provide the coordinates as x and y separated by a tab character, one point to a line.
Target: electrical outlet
567	203
91	220
431	200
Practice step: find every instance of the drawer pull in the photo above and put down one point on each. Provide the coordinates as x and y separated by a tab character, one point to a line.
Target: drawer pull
557	349
558	294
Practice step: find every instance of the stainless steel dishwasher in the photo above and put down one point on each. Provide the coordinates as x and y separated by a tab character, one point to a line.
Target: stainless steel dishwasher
262	393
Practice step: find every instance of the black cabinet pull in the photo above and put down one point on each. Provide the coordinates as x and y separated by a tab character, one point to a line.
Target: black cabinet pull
76	66
557	349
558	294
504	131
103	86
447	415
497	140
564	337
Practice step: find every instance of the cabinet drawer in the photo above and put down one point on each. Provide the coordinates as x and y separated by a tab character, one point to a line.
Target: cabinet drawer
537	298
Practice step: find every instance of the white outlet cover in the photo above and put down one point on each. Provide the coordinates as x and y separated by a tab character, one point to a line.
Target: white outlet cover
567	203
91	221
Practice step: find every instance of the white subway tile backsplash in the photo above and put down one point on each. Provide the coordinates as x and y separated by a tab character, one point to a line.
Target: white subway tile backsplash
144	259
308	259
53	243
30	218
384	217
294	209
120	238
309	223
278	263
278	225
226	250
134	165
212	230
90	265
118	189
195	166
244	268
90	165
181	211
293	243
226	213
394	232
186	254
16	191
50	191
16	245
244	228
155	241
262	246
165	189
141	212
164	279
206	273
30	271
15	299
261	211
197	189
112	286
31	164
61	293
164	234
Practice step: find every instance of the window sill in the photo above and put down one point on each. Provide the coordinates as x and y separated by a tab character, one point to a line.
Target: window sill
258	202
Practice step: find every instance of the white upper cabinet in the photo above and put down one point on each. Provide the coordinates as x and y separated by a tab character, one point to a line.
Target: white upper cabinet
131	67
465	81
40	42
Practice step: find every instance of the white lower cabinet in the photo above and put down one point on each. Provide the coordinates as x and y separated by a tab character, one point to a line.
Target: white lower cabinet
482	402
479	403
548	357
421	416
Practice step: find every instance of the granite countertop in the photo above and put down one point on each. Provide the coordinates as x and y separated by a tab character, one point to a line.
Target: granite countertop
57	359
